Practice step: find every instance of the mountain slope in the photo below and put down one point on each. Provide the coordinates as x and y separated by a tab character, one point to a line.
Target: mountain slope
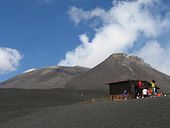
45	78
119	67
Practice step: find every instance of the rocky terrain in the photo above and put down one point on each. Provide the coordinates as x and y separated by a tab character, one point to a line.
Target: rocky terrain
61	97
45	78
141	113
119	67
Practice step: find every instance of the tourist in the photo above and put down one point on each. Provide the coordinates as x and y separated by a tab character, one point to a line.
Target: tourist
140	85
153	86
125	94
144	93
150	92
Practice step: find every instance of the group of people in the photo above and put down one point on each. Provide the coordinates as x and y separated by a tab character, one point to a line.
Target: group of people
142	91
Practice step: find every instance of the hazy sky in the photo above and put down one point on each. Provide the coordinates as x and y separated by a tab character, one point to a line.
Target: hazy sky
39	33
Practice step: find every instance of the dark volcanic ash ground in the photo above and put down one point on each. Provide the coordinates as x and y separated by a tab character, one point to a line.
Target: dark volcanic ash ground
142	113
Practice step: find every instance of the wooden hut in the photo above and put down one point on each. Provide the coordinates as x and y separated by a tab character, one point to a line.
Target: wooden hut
117	88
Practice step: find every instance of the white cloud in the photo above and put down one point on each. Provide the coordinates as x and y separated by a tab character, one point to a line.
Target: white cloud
77	14
9	60
122	25
156	55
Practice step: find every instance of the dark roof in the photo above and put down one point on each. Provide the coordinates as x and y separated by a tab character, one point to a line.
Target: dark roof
116	81
124	81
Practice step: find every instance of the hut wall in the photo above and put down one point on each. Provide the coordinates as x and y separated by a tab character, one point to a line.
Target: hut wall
118	88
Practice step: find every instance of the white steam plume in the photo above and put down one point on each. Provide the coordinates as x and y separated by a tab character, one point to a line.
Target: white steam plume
122	25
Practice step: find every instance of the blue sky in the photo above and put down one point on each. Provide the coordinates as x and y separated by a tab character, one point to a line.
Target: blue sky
38	33
40	30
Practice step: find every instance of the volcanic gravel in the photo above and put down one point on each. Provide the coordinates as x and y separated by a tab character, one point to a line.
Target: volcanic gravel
141	113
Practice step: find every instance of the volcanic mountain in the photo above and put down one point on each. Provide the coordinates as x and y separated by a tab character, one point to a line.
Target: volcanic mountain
45	78
119	67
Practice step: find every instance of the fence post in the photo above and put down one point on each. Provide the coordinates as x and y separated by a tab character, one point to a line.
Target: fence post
111	97
93	100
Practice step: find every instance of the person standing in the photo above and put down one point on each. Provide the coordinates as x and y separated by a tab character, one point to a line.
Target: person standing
125	94
153	86
140	85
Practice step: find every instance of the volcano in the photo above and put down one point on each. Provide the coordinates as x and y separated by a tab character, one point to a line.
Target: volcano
44	78
119	67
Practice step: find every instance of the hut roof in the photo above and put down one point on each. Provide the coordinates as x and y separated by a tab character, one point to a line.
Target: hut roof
127	81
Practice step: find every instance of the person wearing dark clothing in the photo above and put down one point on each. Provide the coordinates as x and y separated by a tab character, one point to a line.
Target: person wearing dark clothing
125	94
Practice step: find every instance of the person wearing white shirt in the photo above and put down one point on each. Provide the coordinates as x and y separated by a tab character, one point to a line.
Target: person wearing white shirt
144	92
